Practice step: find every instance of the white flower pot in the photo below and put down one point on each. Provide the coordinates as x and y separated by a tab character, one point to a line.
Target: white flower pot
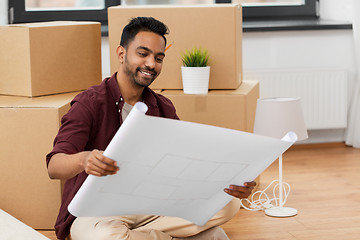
195	79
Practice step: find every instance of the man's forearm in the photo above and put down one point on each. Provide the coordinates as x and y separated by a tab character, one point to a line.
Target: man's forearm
65	166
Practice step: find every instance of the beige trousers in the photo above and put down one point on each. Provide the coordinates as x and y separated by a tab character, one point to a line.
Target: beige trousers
145	227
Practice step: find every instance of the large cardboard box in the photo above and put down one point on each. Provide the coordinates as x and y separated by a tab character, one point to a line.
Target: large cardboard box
234	109
28	127
216	27
47	58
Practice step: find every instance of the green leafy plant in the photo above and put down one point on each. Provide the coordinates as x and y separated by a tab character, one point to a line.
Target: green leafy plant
195	58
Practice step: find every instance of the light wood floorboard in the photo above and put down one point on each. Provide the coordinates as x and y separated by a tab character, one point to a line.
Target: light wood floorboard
325	189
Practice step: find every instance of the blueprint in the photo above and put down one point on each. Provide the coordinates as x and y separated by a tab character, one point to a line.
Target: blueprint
175	168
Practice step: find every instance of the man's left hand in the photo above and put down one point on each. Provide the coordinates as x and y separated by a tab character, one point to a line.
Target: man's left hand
241	191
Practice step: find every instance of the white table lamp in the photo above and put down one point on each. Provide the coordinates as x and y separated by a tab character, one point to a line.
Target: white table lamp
275	117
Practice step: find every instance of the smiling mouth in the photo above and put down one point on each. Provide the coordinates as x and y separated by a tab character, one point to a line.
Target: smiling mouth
147	73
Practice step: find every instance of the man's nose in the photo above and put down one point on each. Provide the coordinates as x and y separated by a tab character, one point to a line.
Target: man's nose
150	63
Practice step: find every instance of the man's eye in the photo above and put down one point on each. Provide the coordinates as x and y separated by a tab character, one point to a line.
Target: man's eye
158	59
142	54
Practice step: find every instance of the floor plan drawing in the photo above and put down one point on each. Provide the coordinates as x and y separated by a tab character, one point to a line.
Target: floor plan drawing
174	168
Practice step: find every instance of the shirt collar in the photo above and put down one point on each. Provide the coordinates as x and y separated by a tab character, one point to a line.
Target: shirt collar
114	88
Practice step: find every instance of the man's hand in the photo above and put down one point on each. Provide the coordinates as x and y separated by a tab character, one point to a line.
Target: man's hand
97	164
241	191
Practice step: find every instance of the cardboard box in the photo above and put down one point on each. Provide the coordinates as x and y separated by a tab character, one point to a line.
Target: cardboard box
28	127
234	109
216	27
48	58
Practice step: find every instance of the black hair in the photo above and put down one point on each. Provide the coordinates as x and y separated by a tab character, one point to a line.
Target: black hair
138	24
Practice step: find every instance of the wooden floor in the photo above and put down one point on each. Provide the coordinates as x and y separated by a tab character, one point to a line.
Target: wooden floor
325	189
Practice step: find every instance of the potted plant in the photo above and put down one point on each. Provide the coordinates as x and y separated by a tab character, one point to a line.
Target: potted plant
195	71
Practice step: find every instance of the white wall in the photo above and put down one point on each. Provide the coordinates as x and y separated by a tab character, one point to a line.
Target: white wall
307	49
302	50
336	10
105	57
3	12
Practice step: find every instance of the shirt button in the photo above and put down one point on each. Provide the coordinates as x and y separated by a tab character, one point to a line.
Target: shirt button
119	110
121	99
117	103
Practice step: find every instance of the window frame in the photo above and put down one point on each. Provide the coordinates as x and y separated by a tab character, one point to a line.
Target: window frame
18	13
307	11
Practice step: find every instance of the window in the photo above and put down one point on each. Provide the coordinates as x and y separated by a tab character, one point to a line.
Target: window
277	9
95	10
21	11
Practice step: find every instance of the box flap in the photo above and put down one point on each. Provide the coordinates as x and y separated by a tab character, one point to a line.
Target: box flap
51	101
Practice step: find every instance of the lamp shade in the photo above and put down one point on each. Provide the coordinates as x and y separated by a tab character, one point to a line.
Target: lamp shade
275	117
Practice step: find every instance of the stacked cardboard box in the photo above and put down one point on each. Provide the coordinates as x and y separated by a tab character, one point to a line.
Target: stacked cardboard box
48	58
39	59
234	109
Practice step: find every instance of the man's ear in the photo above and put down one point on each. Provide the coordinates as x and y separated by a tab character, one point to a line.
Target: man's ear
120	51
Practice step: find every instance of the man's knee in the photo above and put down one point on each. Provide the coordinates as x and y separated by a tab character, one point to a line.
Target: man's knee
100	229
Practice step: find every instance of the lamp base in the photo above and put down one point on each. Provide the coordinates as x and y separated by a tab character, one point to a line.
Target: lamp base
281	212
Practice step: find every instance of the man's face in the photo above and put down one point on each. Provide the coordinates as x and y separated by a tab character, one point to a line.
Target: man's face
144	57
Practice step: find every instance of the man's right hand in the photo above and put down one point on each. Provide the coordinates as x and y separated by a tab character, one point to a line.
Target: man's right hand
95	163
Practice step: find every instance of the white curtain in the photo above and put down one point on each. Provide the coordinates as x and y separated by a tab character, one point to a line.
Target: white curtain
352	137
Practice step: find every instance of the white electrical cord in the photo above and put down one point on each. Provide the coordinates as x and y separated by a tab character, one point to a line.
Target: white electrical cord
264	202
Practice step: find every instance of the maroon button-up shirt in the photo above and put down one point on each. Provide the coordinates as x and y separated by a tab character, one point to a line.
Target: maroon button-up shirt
91	123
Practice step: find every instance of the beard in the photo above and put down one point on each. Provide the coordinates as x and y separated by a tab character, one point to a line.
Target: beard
135	77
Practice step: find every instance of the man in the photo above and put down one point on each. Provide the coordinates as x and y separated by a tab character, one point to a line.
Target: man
93	120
